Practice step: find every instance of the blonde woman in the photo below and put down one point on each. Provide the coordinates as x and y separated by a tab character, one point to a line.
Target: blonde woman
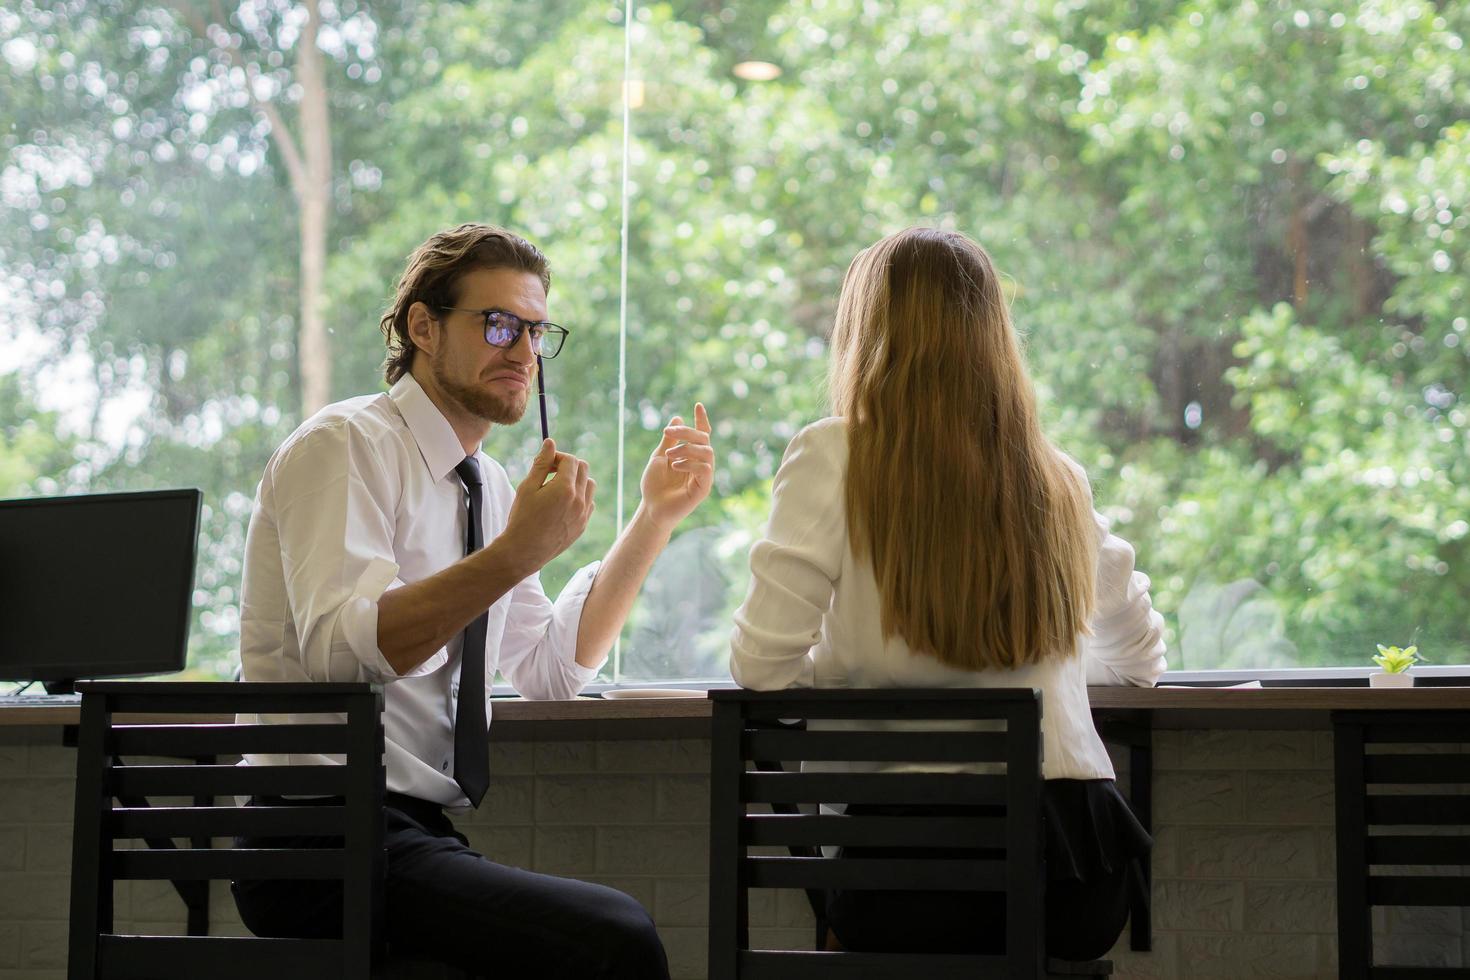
929	535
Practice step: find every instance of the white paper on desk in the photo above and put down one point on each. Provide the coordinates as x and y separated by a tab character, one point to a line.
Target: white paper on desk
1216	687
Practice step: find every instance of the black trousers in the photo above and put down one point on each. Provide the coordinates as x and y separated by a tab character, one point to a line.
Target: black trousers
1083	919
450	903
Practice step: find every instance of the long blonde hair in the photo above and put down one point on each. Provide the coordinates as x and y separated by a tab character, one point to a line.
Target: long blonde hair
980	532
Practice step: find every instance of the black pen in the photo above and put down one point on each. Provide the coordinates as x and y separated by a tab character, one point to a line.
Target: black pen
541	391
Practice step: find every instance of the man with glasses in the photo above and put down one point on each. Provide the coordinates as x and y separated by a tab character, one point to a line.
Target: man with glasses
386	546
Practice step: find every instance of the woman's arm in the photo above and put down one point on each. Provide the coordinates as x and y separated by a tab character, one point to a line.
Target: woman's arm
1127	642
794	568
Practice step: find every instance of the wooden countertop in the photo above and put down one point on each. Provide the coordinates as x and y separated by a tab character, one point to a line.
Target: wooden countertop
1295	698
1263	707
1164	707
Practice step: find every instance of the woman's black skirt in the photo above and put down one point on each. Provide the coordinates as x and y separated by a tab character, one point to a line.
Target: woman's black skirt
1093	844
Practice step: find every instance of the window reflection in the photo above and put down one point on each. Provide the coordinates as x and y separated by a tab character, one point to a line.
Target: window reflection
1235	233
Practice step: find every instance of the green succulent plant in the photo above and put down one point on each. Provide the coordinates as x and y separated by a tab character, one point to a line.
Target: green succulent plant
1394	660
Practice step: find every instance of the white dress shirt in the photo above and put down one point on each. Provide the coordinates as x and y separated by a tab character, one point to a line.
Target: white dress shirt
811	617
360	499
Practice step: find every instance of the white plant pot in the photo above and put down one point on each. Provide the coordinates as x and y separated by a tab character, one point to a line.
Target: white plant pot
1381	679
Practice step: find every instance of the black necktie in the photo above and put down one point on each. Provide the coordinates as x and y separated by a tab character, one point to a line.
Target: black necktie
471	738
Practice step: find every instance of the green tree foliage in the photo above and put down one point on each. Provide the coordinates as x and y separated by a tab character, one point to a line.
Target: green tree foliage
1234	231
34	457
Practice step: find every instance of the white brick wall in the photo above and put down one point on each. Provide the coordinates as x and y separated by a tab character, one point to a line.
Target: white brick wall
1243	862
1243	867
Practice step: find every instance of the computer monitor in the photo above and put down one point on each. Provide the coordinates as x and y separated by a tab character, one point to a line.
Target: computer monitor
99	585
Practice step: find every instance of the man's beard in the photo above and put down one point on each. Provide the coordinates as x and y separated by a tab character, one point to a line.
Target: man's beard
480	403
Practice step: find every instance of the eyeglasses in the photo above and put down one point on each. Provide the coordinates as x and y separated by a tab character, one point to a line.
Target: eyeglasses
504	329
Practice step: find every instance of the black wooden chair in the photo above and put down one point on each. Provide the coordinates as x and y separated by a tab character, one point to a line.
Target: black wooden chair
1403	820
1001	822
111	806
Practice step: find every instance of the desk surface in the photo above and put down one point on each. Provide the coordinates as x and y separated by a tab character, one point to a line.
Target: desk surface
1164	707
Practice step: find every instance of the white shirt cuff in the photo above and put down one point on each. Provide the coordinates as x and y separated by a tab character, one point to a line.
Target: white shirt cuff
566	622
357	624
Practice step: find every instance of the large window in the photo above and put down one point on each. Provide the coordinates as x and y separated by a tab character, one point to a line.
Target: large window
1235	229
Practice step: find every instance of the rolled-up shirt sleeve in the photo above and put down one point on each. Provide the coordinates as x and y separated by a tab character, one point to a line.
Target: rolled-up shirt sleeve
332	501
539	647
793	568
1126	645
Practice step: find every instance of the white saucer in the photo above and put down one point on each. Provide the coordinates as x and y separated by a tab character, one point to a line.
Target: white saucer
619	693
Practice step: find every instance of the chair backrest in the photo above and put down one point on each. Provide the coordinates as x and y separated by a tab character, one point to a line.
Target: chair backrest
1003	825
1403	817
150	719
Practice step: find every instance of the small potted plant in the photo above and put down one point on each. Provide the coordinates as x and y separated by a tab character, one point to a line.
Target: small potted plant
1395	663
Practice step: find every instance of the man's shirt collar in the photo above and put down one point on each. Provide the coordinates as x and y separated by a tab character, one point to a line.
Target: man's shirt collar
430	429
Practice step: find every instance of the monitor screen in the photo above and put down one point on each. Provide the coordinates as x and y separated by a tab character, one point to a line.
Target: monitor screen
99	585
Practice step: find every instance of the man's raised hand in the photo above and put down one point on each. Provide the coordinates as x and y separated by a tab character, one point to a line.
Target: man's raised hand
681	470
551	508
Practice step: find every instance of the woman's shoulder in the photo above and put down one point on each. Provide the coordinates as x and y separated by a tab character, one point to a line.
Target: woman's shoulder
833	426
825	439
815	459
830	431
1077	469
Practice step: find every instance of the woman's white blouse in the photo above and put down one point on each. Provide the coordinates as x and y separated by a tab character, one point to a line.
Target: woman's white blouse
811	617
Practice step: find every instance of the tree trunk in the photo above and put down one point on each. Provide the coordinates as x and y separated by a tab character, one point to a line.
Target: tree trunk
313	194
1367	301
309	165
1297	241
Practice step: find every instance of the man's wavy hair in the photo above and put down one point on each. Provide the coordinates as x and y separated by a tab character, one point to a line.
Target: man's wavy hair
433	278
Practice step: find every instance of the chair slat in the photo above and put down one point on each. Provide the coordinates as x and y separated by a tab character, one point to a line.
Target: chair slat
1426	810
832	746
908	788
1415	849
216	957
227	821
253	692
916	698
1384	731
217	698
191	780
198	740
873	831
898	874
1417	891
1397	769
196	864
886	710
801	964
747	698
